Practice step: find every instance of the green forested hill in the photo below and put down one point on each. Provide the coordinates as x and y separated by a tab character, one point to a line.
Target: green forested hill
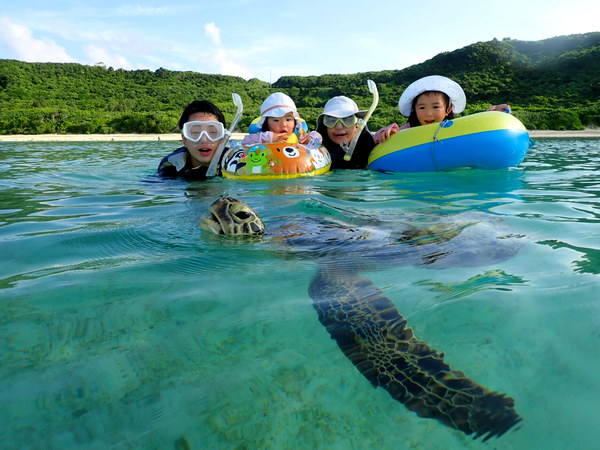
550	84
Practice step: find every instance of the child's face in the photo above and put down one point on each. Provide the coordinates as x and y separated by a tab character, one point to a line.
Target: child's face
202	152
431	108
281	125
340	134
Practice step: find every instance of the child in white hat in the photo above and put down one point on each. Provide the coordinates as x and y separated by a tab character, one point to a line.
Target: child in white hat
428	100
279	122
338	124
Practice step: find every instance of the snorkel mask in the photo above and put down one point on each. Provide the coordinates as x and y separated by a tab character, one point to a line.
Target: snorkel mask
347	122
212	130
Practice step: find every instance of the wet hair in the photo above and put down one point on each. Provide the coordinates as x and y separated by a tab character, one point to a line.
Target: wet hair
201	106
412	119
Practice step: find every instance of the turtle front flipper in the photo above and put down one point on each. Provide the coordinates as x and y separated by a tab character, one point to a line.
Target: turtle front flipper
373	335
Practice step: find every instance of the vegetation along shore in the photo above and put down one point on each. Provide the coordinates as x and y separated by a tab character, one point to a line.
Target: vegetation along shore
551	84
590	133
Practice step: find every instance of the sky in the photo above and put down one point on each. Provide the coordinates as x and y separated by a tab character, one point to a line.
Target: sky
267	39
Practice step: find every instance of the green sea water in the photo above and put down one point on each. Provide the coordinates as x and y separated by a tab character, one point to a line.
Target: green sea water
124	325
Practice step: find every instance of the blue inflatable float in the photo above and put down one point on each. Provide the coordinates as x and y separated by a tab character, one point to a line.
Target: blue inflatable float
487	140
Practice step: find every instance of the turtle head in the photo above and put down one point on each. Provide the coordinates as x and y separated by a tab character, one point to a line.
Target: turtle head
233	217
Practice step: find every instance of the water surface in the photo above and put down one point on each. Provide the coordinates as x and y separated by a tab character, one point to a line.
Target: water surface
124	325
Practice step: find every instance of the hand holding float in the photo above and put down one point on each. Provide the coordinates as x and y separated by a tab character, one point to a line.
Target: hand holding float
349	149
386	132
212	168
502	107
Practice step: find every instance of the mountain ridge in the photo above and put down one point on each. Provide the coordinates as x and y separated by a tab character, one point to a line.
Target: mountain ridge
552	83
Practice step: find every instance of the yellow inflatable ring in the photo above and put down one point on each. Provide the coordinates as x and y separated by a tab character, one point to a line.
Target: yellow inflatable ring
487	140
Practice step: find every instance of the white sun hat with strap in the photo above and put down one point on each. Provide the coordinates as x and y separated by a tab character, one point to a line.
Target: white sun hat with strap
452	89
277	105
342	106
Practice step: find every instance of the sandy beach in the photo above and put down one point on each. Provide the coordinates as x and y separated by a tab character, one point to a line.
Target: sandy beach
591	133
96	137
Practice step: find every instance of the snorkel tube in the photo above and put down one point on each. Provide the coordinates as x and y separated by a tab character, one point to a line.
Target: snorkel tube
349	148
212	168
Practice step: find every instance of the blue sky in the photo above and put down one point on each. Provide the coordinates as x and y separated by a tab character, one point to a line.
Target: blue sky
267	40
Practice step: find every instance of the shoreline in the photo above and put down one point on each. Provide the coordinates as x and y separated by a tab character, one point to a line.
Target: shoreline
96	137
591	133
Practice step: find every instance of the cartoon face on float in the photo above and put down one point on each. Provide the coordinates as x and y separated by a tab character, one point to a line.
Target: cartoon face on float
256	158
290	158
321	159
233	161
276	160
291	152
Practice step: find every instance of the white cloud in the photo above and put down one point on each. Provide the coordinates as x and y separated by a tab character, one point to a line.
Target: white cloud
27	48
226	65
213	32
222	60
101	55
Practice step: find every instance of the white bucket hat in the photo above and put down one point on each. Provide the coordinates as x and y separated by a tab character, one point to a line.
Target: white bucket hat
340	107
452	89
277	105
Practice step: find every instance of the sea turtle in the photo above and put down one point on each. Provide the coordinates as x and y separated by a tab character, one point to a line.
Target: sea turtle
366	325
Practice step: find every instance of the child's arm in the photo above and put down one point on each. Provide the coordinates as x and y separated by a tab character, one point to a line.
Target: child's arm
263	137
306	138
502	107
385	133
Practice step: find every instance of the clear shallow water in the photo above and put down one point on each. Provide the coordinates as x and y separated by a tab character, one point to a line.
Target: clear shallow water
123	325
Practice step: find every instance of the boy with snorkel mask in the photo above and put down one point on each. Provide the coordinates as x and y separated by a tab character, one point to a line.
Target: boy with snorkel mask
202	127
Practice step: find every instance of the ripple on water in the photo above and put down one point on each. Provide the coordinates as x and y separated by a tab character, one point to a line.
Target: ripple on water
124	324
